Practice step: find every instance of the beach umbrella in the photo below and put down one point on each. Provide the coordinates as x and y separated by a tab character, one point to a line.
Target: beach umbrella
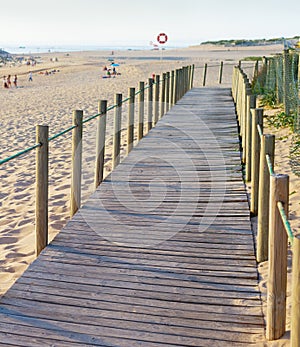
114	64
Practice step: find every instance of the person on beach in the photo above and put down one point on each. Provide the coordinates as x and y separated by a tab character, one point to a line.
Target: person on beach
16	81
5	85
30	77
9	81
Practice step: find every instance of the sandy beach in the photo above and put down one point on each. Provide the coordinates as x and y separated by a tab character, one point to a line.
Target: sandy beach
78	83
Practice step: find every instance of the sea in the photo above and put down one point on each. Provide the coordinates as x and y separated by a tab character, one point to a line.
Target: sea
52	49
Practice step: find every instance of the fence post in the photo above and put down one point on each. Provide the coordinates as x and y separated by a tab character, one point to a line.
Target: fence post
156	105
130	123
255	72
245	109
277	275
172	87
221	73
279	79
176	83
42	173
117	131
295	319
240	91
150	104
257	119
100	143
286	82
192	76
163	95
76	162
141	110
168	92
251	104
204	75
186	78
267	147
179	84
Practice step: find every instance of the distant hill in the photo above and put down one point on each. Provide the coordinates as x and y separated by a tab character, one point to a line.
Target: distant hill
257	42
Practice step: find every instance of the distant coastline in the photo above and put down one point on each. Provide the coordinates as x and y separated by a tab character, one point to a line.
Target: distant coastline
60	49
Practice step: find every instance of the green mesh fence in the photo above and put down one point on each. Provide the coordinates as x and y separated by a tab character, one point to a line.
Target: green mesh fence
277	80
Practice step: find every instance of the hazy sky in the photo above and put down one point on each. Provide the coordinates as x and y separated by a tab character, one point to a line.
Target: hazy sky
98	22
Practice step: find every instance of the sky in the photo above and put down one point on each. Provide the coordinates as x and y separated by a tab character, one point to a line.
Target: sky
133	22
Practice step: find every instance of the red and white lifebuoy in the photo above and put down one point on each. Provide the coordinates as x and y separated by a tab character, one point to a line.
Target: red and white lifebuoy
162	38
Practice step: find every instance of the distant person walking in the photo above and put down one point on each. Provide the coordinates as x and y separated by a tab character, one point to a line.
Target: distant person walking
30	77
5	85
8	81
16	81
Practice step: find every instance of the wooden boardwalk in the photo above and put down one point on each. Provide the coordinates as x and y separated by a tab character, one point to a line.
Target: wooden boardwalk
162	253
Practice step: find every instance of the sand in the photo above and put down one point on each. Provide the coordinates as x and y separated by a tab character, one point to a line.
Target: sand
78	84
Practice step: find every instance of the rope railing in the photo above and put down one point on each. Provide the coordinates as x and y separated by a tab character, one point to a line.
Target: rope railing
65	131
61	133
270	165
19	154
285	222
269	202
168	89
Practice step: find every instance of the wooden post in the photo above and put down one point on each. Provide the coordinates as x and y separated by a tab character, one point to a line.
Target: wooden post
168	91
251	102
175	96
163	95
42	173
100	143
241	103
204	74
286	82
267	147
130	123
150	104
141	110
178	85
181	84
242	117
295	319
239	96
117	131
192	76
221	73
172	87
257	119
245	117
76	162
235	78
185	75
277	275
156	105
255	72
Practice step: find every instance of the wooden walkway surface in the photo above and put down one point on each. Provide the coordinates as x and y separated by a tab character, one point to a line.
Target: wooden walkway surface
162	253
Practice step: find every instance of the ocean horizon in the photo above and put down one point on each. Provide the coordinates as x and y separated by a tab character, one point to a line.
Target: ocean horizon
35	49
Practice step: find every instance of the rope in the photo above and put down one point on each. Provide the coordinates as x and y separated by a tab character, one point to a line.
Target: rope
285	222
18	154
62	133
270	166
259	129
